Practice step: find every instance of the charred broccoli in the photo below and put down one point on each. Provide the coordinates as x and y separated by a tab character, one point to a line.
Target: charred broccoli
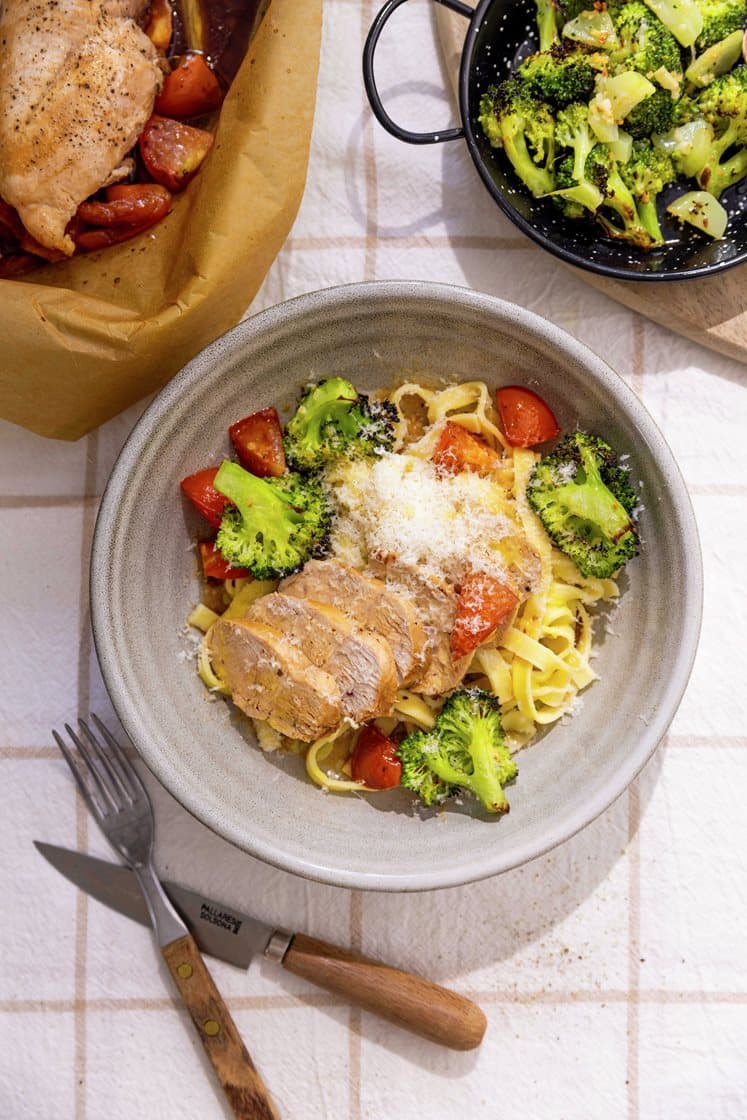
465	750
723	104
559	76
646	45
651	116
720	19
646	174
584	499
548	18
274	524
524	127
603	171
334	420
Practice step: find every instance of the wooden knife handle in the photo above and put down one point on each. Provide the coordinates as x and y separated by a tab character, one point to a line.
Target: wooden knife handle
239	1079
434	1012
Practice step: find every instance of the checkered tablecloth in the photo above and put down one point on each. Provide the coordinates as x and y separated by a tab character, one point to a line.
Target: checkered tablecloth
612	970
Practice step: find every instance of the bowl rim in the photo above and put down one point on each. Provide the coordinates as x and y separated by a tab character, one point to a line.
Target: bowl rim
496	860
568	256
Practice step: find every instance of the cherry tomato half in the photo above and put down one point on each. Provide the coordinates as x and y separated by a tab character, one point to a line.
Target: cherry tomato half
215	567
128	204
258	440
458	450
483	603
202	494
172	151
526	418
374	760
189	90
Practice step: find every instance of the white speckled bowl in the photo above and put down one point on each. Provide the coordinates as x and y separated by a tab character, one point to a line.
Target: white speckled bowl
144	584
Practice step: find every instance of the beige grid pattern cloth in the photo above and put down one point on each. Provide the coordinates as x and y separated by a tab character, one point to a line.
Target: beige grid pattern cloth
612	970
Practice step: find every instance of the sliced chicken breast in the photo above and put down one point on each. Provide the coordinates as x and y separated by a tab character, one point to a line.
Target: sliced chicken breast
271	679
368	602
360	661
77	83
435	608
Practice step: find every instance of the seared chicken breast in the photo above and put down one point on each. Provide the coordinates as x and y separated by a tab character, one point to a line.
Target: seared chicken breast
435	604
271	679
369	602
360	661
78	79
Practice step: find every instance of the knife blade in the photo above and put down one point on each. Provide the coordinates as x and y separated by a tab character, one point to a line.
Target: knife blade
220	930
436	1013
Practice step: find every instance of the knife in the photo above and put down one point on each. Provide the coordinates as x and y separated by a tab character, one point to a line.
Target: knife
436	1013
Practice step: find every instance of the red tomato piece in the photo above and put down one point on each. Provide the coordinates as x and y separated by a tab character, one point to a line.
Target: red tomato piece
258	440
374	760
88	240
172	151
482	604
202	494
128	204
160	25
526	418
16	264
458	450
215	567
189	90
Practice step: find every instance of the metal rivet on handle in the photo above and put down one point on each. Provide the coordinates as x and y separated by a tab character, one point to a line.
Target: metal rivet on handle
184	970
211	1027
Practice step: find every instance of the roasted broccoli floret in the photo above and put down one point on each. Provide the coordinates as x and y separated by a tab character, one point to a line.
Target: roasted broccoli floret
646	45
334	420
548	20
572	131
720	18
274	524
574	198
723	104
559	76
602	170
646	173
584	499
465	750
653	115
573	192
512	119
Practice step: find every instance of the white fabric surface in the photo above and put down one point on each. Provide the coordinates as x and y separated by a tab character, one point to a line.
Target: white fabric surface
612	971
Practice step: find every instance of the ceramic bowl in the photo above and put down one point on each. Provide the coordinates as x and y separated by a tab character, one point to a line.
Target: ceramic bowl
144	584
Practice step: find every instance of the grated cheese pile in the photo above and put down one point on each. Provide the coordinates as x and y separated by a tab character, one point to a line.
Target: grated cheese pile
396	507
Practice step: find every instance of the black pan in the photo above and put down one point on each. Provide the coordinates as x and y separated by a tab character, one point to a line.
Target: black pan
500	34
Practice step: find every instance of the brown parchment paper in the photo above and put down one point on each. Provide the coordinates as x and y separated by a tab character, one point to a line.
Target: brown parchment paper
85	338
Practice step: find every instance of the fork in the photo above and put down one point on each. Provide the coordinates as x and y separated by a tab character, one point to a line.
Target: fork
120	805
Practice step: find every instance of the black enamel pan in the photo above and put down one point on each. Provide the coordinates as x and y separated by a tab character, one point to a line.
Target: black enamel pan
500	34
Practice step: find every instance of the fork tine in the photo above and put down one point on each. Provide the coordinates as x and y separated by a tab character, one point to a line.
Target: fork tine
122	788
85	786
126	766
93	763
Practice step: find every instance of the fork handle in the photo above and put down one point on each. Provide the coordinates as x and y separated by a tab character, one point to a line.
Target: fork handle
239	1079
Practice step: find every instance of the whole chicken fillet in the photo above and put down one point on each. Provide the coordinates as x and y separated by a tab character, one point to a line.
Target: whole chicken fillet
78	79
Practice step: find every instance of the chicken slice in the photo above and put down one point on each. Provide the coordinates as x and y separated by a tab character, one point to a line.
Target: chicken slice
435	603
360	661
77	84
271	679
369	602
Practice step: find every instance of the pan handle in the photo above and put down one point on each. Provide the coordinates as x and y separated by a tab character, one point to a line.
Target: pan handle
370	82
